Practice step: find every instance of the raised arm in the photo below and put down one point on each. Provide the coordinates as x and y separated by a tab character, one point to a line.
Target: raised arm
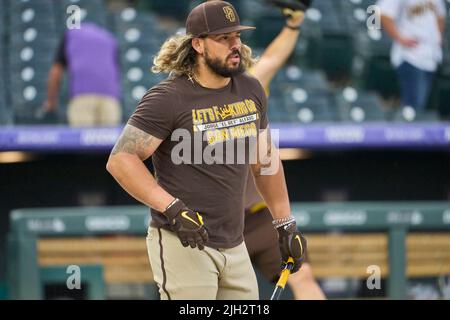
279	50
126	165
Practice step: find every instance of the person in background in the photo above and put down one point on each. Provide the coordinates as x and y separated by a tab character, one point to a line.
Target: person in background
417	28
90	56
260	236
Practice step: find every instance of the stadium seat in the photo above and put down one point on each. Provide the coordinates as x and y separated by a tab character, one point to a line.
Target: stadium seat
40	6
359	106
408	114
277	112
440	96
329	42
32	17
39	58
173	9
139	55
91	11
372	67
132	36
3	17
267	28
310	105
129	17
378	75
135	84
6	112
293	76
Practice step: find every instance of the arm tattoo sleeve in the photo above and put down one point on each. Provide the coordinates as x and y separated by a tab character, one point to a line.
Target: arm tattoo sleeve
133	141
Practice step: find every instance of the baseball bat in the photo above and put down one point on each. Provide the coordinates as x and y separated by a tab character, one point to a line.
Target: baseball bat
279	287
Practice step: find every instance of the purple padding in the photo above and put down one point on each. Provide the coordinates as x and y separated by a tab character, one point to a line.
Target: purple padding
327	136
58	138
376	135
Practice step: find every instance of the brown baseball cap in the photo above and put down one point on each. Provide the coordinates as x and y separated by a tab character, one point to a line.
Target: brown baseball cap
213	17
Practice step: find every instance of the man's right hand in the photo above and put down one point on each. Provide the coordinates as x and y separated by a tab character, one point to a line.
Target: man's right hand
292	244
187	224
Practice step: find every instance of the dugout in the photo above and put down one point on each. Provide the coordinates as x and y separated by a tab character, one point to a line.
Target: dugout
405	240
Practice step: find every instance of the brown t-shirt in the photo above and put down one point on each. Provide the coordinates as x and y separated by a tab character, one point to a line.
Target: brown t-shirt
234	112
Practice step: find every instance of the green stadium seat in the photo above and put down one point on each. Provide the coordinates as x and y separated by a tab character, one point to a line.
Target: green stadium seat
372	43
27	100
251	9
91	11
3	17
6	112
378	75
29	16
174	9
129	17
40	58
17	6
137	56
293	76
328	40
132	36
408	114
277	112
440	96
267	28
134	85
32	37
311	105
359	106
372	66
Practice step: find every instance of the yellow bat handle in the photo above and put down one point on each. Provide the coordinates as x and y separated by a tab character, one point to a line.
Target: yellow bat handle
285	274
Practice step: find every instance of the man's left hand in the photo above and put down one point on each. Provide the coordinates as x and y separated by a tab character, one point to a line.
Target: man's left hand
292	244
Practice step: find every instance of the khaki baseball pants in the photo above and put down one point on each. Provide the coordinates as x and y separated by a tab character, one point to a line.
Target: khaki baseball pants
190	274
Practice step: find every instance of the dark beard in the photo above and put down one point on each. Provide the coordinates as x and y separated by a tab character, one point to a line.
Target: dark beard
221	68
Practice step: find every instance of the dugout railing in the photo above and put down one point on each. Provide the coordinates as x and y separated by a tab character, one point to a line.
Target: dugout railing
403	240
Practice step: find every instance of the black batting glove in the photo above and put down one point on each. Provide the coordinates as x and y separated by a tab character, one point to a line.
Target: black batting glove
187	224
293	5
292	243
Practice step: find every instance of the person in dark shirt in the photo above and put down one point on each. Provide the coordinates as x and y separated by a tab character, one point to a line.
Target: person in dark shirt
187	124
260	237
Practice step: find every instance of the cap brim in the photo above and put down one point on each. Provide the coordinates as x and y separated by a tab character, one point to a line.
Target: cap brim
230	29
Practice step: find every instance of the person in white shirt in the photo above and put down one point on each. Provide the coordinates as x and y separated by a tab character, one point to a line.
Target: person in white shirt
416	27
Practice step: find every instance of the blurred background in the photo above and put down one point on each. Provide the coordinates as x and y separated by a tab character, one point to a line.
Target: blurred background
369	179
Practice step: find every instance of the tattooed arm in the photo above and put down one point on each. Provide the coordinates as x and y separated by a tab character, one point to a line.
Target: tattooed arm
126	165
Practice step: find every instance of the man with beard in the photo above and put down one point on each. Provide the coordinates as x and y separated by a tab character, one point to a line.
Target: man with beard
194	201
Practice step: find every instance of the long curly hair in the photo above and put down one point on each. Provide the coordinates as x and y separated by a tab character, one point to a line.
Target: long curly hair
178	57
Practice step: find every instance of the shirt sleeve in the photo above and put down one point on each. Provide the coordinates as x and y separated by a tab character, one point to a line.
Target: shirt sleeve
61	53
390	8
154	114
441	10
